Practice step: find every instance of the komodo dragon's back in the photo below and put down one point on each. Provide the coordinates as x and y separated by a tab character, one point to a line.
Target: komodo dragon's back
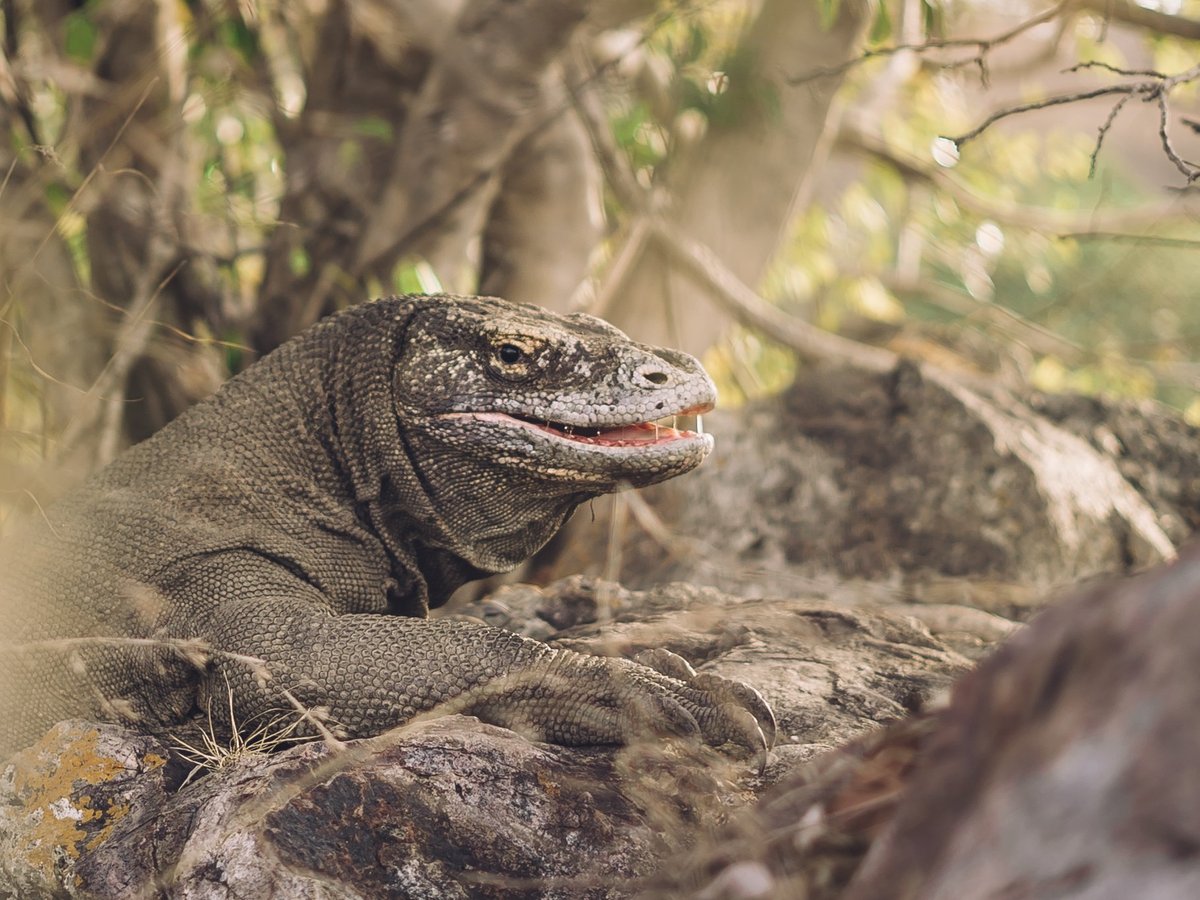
282	541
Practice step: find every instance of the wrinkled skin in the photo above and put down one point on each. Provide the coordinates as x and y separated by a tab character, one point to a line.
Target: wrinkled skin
279	545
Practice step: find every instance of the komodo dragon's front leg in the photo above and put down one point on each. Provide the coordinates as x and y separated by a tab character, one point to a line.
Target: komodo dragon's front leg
367	673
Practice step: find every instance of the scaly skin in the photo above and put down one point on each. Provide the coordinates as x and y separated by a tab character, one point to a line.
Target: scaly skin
290	534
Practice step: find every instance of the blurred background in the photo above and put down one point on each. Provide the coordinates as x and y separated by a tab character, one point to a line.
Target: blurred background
1003	189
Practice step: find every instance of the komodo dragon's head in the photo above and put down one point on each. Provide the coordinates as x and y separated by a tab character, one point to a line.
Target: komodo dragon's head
568	400
509	417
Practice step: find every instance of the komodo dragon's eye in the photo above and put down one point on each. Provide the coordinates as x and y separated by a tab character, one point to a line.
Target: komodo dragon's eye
515	359
509	354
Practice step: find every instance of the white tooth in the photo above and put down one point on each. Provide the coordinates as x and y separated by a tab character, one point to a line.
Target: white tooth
699	425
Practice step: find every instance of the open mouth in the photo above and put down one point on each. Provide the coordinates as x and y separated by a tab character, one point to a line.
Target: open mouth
659	431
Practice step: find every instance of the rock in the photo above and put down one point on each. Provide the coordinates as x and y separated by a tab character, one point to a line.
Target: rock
1154	450
829	671
67	796
1063	767
915	479
1066	765
450	807
807	835
446	808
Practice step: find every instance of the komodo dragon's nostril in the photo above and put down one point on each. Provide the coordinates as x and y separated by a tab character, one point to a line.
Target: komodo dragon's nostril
655	377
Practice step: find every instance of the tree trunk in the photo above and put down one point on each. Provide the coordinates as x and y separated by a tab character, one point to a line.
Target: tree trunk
749	174
546	218
465	100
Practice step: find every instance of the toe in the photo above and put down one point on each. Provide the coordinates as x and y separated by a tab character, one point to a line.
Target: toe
728	691
666	663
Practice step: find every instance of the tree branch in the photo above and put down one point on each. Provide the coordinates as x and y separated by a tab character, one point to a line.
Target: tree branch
751	310
582	80
1153	87
981	46
1065	223
1129	13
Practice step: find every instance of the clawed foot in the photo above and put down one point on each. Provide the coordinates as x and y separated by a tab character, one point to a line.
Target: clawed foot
571	698
727	712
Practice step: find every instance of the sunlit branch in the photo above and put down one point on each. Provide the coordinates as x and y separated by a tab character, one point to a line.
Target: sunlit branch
1033	218
981	46
1154	87
753	311
1129	13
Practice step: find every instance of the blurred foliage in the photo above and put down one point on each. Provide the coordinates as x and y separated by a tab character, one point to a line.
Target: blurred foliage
1124	309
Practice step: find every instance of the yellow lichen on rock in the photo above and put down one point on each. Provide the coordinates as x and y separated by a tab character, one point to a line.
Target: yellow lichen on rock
57	785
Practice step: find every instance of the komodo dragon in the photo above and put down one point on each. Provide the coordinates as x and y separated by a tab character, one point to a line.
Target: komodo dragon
283	541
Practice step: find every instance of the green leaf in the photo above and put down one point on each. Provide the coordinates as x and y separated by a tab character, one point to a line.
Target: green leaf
407	277
299	262
235	35
79	37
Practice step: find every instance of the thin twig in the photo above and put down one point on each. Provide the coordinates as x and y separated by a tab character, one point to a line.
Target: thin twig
982	47
1043	104
41	511
1189	171
1145	16
619	271
1109	67
6	342
312	719
137	326
132	338
12	51
1154	87
614	555
95	170
193	651
1103	132
33	363
581	83
8	176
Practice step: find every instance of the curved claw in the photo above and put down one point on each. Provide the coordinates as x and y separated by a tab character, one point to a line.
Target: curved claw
758	744
742	715
743	695
666	663
733	724
577	700
649	708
